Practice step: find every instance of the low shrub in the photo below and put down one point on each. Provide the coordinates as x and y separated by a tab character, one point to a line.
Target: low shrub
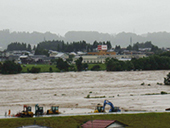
167	79
50	69
162	92
96	68
88	96
143	83
34	70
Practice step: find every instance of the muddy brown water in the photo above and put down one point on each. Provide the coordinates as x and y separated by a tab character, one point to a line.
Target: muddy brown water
68	90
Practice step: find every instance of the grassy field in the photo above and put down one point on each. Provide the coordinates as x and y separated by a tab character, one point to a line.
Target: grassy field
147	120
46	67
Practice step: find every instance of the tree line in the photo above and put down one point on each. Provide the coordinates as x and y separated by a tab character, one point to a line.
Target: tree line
66	66
11	67
153	62
137	46
43	47
19	46
58	45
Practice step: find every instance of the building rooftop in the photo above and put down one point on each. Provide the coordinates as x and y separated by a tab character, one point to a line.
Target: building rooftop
101	124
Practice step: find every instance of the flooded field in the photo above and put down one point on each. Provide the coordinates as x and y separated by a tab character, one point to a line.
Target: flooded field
68	90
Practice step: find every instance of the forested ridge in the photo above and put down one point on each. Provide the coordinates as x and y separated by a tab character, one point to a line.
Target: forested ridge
43	47
160	39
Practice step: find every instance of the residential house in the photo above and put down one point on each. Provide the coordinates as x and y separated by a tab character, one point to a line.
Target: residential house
104	124
25	59
61	55
52	53
55	55
41	59
72	53
13	57
2	58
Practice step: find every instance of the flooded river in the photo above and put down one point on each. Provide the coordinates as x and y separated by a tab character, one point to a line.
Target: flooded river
68	90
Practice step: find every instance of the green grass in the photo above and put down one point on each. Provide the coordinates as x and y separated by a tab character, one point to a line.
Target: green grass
161	93
147	120
44	67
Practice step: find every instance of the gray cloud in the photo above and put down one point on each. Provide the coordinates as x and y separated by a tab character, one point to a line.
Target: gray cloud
111	16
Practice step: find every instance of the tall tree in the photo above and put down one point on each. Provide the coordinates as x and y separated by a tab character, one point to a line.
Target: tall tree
109	46
62	65
79	64
9	67
29	47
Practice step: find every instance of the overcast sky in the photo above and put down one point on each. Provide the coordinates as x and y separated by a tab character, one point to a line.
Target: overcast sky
107	16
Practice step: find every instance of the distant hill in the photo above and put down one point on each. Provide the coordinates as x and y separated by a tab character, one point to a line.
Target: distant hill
88	36
160	39
6	37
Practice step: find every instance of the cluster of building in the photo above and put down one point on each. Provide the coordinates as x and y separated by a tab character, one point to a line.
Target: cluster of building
98	56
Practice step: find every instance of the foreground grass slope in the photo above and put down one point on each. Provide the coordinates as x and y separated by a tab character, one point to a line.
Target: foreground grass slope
147	120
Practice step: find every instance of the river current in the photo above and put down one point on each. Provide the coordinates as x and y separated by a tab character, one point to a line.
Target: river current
69	90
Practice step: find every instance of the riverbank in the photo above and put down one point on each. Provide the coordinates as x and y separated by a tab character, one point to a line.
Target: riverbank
147	120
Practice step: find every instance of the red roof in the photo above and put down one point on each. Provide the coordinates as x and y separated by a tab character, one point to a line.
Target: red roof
98	123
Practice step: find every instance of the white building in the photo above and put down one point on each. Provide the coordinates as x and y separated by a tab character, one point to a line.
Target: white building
102	58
